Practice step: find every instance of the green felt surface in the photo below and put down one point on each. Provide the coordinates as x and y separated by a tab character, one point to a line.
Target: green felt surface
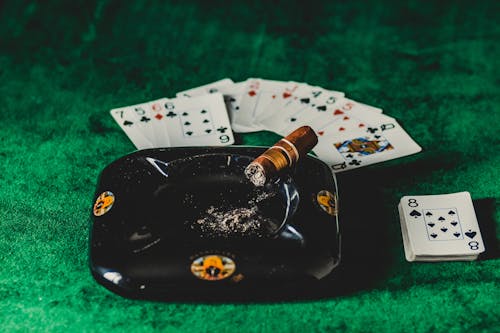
63	65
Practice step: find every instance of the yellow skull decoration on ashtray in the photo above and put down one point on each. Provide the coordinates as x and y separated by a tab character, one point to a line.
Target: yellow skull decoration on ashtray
104	203
213	267
327	201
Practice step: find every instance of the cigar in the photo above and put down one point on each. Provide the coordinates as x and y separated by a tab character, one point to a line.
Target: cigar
283	155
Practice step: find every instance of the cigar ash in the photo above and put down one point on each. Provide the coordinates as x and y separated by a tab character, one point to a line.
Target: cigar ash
244	219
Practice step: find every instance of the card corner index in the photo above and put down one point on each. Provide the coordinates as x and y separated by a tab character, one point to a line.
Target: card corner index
403	199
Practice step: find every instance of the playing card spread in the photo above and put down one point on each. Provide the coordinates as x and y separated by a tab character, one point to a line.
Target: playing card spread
350	134
440	227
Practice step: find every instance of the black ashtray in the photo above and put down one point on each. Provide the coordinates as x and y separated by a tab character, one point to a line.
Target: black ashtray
175	222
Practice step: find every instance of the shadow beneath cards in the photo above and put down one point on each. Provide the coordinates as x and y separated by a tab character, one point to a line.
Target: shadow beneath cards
366	240
485	213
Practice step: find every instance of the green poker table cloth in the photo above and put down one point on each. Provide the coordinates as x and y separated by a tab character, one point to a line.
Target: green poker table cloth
63	65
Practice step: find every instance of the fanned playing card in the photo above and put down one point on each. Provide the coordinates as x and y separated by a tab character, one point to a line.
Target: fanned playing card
284	106
303	110
362	139
232	97
133	120
198	121
350	134
440	227
258	94
342	112
159	125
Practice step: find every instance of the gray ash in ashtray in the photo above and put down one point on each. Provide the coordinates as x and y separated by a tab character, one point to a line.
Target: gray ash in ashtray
226	221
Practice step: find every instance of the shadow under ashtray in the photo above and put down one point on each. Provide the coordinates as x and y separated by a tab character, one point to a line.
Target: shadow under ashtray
185	222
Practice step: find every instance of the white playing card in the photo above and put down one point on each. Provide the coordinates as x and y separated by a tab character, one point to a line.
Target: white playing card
198	121
209	88
303	110
144	121
406	244
375	139
344	116
322	114
258	94
287	103
440	227
232	97
286	92
159	124
132	120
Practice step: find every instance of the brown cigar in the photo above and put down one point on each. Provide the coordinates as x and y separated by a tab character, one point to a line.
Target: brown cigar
284	154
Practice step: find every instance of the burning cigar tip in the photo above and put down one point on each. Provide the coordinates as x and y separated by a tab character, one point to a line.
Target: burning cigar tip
282	155
256	174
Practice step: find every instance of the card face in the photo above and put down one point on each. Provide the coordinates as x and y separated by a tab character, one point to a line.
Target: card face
209	88
282	104
258	94
144	120
198	121
441	225
232	97
159	126
132	120
320	117
284	96
374	139
303	110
